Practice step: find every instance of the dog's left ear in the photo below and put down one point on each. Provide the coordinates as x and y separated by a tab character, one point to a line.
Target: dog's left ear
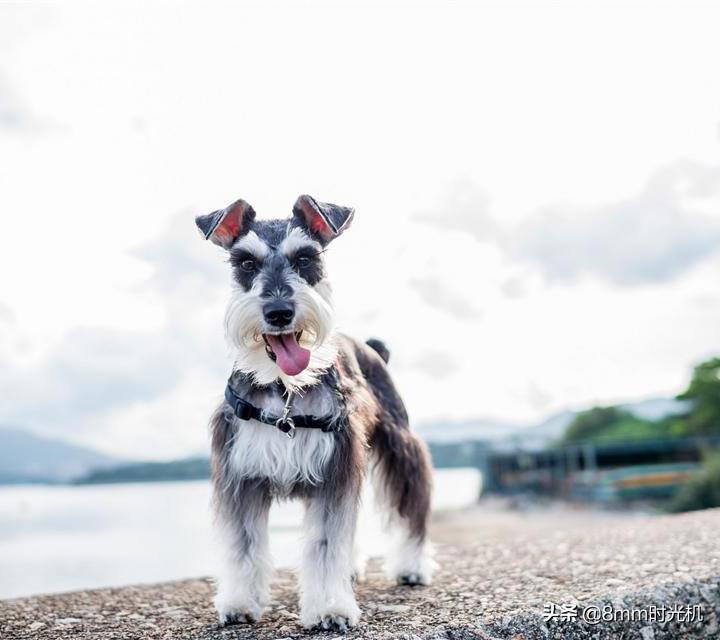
225	226
324	220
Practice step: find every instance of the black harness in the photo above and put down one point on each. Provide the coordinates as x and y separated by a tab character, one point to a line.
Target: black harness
245	410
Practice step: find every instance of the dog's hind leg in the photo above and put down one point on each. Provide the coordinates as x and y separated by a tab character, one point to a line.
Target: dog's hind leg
244	582
359	560
402	477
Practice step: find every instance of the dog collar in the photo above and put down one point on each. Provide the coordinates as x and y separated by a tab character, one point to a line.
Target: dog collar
245	410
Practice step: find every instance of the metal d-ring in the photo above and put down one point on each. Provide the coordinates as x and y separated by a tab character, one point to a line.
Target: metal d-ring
285	418
290	433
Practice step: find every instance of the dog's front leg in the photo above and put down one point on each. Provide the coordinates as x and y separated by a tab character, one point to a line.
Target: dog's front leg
244	580
327	600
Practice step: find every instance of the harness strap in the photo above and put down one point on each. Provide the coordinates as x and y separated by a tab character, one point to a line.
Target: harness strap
244	410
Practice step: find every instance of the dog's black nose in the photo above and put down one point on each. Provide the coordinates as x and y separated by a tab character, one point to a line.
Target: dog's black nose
279	314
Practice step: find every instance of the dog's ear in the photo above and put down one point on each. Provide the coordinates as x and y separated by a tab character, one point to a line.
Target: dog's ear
323	220
225	226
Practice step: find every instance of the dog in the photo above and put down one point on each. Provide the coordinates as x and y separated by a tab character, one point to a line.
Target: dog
307	413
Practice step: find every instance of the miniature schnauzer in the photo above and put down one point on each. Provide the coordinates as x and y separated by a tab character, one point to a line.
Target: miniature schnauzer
307	412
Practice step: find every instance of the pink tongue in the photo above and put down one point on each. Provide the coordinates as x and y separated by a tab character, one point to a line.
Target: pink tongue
291	357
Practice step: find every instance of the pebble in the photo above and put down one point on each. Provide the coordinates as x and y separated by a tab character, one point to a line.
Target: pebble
393	608
647	633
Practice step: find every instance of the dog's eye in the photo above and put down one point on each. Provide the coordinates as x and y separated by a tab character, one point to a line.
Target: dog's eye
303	261
248	265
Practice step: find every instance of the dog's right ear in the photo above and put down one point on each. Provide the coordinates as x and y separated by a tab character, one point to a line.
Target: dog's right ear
225	226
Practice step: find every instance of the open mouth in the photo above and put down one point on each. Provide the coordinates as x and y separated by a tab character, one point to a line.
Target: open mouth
284	348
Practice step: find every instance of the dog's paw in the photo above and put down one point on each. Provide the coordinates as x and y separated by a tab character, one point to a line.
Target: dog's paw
235	617
413	565
334	617
237	610
413	580
334	623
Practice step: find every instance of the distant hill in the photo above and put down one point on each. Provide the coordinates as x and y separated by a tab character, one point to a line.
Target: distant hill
540	435
187	469
26	457
506	435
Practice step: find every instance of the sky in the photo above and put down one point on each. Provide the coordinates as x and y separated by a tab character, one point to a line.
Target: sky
536	190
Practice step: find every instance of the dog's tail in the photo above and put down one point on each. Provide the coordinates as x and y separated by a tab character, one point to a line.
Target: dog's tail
380	348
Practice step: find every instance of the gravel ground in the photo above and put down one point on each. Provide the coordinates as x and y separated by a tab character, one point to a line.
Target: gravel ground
495	587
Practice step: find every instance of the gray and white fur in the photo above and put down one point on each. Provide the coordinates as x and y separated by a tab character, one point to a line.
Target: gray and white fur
280	310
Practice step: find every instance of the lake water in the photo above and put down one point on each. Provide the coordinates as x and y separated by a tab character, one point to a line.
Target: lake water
66	538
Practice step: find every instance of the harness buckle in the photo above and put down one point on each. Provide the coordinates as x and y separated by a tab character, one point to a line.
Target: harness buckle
243	410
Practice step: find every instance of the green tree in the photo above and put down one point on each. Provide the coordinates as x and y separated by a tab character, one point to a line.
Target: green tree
704	394
589	425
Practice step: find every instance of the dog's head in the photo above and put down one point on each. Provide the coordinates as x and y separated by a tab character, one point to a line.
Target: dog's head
280	315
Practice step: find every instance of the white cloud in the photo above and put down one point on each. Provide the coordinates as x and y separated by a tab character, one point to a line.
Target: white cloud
649	238
464	208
